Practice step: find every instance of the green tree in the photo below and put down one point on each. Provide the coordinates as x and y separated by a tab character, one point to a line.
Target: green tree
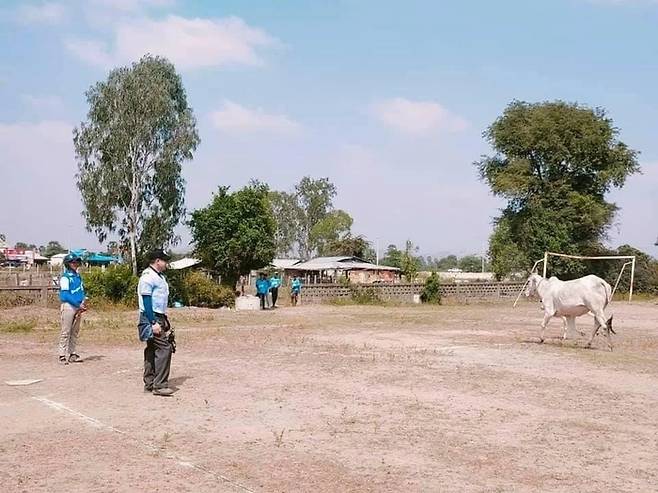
315	200
335	226
392	257
287	214
234	234
554	162
53	248
306	219
449	262
410	262
352	246
471	263
130	150
21	245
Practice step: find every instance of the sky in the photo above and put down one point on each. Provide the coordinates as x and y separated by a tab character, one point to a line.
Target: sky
387	99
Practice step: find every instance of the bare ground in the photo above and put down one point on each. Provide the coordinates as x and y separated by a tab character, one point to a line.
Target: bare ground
323	399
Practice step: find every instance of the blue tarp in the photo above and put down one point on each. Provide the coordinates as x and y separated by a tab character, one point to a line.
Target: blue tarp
97	258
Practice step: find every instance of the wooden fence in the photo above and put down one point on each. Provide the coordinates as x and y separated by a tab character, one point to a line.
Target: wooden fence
28	278
28	295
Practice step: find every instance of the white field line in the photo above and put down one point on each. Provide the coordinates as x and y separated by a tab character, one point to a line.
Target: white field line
58	406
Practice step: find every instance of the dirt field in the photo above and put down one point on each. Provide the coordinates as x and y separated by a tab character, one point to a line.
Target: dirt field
335	399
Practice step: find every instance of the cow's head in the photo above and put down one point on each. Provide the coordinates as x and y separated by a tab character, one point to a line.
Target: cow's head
532	284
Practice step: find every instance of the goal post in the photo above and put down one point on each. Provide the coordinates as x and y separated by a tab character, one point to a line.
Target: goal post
630	260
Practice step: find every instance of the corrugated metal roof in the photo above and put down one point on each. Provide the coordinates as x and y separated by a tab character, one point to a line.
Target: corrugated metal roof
183	263
284	263
340	263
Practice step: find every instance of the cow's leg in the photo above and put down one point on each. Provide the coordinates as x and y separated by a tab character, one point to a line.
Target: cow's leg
565	327
596	329
544	323
608	330
569	326
599	321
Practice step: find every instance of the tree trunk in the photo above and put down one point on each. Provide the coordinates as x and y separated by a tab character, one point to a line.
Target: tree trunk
230	280
134	201
133	250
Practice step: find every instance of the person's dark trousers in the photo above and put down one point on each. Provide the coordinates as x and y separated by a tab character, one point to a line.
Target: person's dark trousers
157	358
262	300
275	296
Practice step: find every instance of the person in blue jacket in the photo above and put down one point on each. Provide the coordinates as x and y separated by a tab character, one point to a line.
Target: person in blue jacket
262	288
153	326
275	284
295	290
72	296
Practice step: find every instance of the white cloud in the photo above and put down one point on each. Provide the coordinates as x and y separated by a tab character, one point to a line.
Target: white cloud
417	117
90	51
45	13
43	103
188	43
235	118
131	5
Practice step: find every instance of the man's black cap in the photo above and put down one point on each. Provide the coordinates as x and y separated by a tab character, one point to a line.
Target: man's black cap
158	254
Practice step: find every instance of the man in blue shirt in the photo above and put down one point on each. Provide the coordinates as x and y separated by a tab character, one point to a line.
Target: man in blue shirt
262	288
295	290
72	296
275	283
154	327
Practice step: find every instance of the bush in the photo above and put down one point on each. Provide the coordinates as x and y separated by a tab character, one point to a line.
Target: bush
118	285
432	290
365	295
177	287
115	284
204	292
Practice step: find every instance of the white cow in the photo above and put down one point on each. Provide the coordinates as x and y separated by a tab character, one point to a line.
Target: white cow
571	299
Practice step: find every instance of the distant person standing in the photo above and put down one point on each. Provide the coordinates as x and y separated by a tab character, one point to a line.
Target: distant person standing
295	290
275	284
154	327
72	296
262	289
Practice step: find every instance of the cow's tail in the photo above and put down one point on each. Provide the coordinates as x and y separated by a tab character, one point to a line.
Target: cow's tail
608	293
608	300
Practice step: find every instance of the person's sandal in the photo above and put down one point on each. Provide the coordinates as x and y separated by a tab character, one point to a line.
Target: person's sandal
74	358
63	360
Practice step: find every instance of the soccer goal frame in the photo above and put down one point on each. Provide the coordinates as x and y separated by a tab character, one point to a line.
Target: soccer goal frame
630	261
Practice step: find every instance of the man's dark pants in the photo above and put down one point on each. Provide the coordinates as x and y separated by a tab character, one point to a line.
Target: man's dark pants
275	295
262	300
157	355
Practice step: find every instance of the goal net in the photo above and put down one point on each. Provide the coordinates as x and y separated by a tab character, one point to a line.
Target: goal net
626	265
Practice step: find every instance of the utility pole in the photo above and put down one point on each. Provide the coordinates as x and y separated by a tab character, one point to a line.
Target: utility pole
377	250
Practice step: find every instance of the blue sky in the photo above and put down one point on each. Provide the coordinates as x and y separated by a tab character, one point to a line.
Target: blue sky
387	99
